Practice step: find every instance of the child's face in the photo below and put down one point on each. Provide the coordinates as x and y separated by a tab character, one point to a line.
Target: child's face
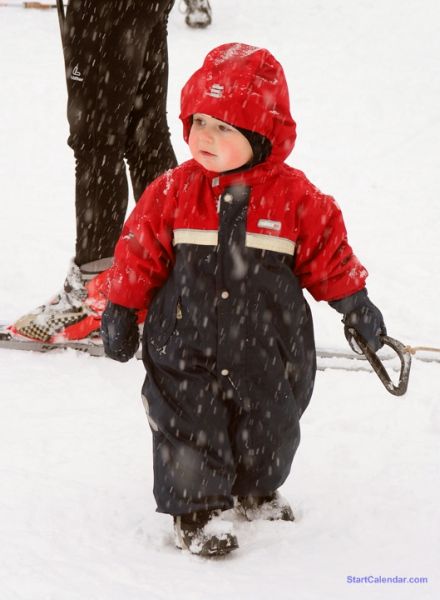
217	146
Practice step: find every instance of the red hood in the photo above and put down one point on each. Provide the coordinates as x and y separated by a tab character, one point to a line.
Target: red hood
244	86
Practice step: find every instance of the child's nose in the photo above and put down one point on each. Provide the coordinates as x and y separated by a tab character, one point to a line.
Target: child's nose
206	135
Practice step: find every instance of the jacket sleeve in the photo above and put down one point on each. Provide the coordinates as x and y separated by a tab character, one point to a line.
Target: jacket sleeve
325	263
144	253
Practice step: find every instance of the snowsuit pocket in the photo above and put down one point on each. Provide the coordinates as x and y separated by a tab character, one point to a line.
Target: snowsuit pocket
164	312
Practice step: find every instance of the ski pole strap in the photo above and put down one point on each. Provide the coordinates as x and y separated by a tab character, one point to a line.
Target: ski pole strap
376	363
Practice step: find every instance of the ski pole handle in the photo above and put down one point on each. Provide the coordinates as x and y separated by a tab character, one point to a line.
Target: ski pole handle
405	362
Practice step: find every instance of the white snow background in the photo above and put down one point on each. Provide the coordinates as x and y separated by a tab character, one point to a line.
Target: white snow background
77	515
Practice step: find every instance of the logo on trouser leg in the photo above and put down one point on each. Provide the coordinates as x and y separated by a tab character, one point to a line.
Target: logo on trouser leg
76	74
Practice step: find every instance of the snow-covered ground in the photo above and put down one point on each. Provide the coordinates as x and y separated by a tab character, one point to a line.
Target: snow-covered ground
77	518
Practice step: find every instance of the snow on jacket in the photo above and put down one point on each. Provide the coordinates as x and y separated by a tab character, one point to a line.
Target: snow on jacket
220	260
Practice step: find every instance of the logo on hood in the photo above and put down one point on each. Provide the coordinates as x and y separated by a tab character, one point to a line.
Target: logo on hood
216	91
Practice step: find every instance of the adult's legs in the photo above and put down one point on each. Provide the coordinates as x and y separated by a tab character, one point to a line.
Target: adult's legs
106	43
110	49
148	148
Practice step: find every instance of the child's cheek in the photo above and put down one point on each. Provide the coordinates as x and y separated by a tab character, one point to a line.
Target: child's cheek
192	142
235	154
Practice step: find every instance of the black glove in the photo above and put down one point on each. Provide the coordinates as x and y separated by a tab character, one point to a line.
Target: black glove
119	332
363	316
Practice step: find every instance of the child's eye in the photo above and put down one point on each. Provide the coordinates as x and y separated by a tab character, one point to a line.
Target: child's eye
224	128
198	121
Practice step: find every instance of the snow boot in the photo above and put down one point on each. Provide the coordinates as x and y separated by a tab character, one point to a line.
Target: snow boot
198	13
204	533
75	312
272	507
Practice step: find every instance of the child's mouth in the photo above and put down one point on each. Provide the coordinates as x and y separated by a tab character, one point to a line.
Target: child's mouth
206	153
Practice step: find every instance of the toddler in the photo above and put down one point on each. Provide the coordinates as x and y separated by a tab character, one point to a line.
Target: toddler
218	251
